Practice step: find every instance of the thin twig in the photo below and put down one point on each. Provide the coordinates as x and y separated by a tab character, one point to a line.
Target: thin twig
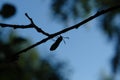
99	13
15	26
36	27
31	25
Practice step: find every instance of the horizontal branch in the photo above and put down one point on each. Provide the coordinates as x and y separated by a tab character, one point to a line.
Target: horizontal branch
31	25
15	26
76	26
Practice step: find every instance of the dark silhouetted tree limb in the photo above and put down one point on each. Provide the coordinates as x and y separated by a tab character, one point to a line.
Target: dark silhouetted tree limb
31	25
50	36
36	27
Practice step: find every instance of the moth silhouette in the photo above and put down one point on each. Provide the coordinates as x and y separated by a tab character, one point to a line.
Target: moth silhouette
56	44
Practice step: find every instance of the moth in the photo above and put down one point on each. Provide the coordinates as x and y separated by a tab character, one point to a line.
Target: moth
56	43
